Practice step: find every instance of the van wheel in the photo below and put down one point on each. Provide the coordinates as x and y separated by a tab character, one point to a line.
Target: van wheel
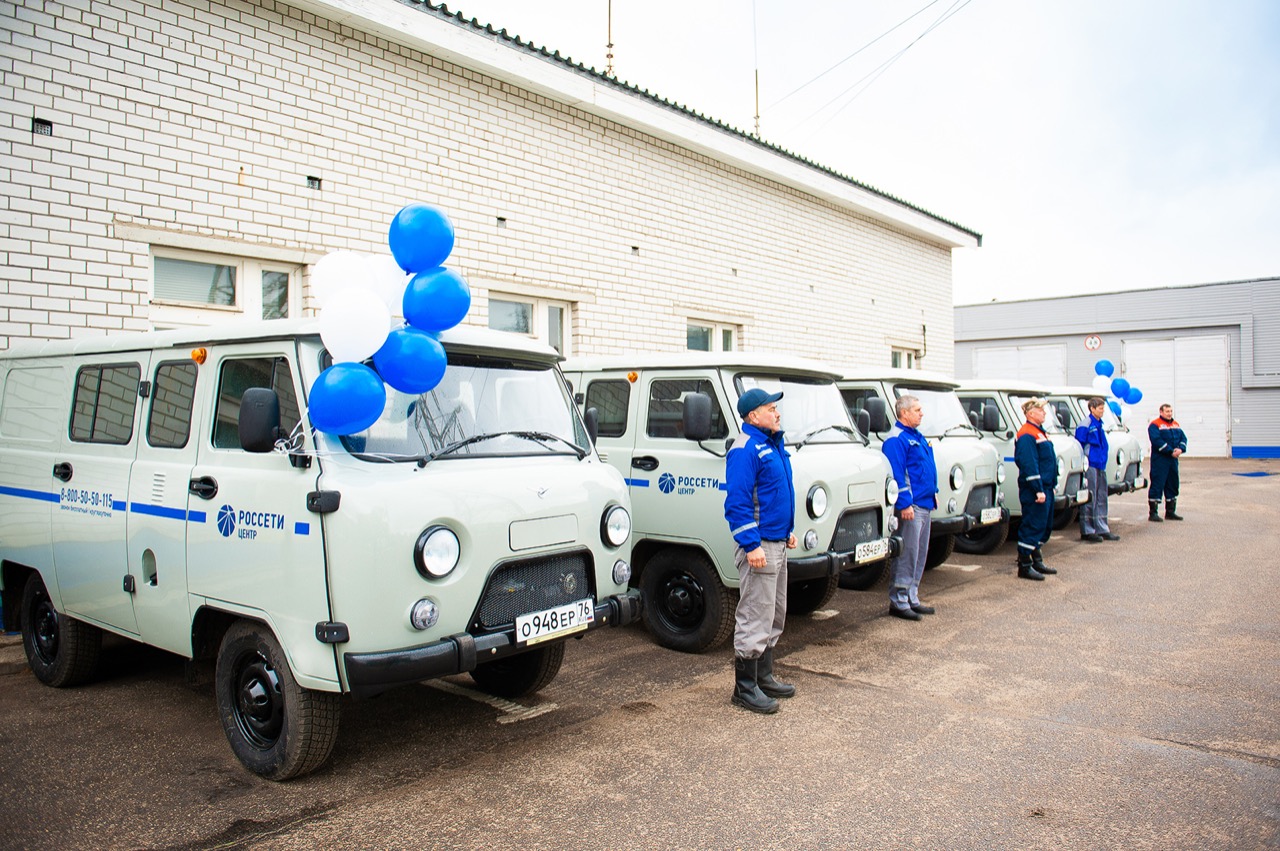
811	594
685	606
1063	519
277	728
61	650
984	540
940	549
522	674
864	577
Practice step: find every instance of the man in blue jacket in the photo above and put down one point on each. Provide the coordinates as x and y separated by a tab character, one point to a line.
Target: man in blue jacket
911	458
1168	442
1037	475
760	506
1092	435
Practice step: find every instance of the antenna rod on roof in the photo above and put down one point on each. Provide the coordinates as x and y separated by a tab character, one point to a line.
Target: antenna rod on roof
608	57
755	39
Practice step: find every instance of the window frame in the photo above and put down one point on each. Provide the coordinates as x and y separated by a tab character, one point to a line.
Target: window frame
97	395
248	302
717	331
540	325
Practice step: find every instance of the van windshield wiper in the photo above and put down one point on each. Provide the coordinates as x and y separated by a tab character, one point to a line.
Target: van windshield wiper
537	436
840	428
964	426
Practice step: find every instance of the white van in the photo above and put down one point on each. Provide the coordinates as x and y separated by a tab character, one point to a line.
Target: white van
970	515
1124	468
666	422
980	397
166	487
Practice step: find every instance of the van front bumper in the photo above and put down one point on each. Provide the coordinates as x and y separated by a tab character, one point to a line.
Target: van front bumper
826	564
962	523
372	673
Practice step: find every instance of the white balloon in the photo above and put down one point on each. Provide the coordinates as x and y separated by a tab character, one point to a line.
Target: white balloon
337	272
354	324
1102	385
388	281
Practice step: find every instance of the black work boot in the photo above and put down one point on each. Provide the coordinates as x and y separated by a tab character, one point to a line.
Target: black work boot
764	678
746	692
1025	568
1037	561
1153	505
1171	510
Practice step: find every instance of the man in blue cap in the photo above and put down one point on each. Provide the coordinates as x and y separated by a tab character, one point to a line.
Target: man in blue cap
760	508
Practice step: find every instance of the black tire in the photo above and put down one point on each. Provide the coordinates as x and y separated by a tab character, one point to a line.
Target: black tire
522	674
983	540
276	728
1063	519
940	549
686	607
61	650
811	594
864	577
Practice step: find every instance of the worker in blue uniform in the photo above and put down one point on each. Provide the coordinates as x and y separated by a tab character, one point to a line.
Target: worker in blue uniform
1168	442
1037	462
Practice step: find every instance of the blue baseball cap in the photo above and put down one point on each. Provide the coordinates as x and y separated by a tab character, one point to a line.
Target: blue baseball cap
754	398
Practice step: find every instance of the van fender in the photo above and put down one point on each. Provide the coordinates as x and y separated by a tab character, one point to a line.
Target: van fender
313	667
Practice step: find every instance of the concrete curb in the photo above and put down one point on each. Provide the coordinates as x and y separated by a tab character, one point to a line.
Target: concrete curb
13	659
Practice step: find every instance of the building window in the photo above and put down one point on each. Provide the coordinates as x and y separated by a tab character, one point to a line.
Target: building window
701	336
904	358
194	288
538	318
194	282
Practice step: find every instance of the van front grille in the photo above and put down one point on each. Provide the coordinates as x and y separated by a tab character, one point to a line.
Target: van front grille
982	496
856	527
531	585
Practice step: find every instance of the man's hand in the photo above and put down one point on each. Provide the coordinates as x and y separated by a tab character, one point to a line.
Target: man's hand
756	559
908	513
792	541
1177	452
1040	497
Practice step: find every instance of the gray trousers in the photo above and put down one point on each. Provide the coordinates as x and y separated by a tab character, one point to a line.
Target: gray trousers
762	600
907	568
1093	514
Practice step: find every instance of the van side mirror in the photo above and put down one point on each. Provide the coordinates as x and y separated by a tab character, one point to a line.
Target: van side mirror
878	413
591	419
973	419
864	422
696	414
990	418
259	419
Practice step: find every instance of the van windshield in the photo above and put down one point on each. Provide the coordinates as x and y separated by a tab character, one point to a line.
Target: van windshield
1051	424
481	408
943	413
812	408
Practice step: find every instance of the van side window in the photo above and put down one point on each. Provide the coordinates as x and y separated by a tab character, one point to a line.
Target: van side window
238	376
975	405
169	425
103	406
855	399
666	407
610	399
1065	418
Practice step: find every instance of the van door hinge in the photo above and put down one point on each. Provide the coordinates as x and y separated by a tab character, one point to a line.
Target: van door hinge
323	502
332	632
144	389
129	583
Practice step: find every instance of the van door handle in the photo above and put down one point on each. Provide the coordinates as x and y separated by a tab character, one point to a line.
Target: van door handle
62	470
644	462
205	487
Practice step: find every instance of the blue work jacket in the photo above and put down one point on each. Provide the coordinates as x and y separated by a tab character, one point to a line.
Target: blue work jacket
760	502
1166	436
911	458
1036	459
1093	437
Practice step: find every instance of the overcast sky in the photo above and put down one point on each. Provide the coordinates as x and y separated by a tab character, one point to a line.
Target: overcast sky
1098	145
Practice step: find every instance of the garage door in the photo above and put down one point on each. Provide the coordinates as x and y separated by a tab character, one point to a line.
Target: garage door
1040	364
1194	375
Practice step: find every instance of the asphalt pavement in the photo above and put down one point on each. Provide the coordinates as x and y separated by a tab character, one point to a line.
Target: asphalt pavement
1128	702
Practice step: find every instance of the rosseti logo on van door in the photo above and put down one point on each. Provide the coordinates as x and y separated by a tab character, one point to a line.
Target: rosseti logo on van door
668	483
246	524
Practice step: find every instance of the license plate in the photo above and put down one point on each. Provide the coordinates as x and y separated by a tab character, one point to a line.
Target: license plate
552	623
1082	496
871	550
989	515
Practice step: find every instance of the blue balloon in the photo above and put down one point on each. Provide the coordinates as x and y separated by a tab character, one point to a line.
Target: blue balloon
1134	396
1104	367
436	299
411	361
1119	388
347	398
421	237
1114	406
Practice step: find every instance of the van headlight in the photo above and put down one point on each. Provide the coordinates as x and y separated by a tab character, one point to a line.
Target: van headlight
952	506
437	551
893	523
816	502
890	491
957	478
424	614
615	526
811	539
1119	457
1000	473
621	572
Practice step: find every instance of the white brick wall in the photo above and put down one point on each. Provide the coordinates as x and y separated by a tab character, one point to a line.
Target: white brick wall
207	120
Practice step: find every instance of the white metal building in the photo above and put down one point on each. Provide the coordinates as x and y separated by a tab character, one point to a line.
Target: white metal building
172	162
1211	350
